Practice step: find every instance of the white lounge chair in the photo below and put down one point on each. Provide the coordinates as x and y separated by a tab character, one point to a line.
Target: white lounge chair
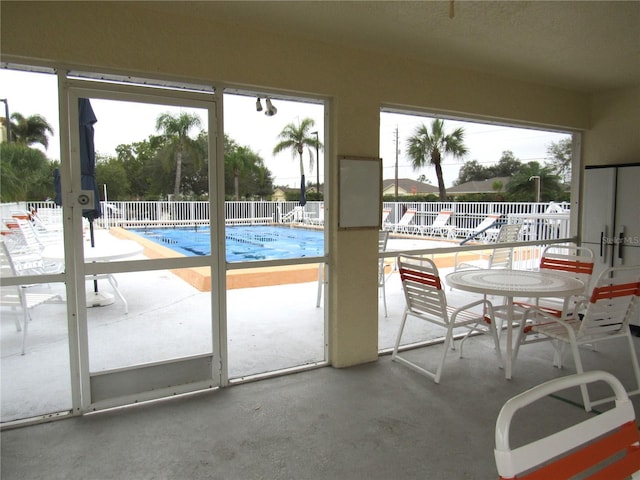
439	226
17	296
480	230
404	224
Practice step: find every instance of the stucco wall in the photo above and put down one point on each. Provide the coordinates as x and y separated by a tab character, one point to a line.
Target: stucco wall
135	39
614	133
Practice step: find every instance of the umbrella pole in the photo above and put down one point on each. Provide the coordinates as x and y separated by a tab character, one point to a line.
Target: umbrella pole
93	244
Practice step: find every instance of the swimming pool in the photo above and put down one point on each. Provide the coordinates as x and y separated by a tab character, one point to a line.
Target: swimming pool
244	243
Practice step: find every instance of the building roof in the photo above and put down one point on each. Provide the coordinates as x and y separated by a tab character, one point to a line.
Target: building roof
406	186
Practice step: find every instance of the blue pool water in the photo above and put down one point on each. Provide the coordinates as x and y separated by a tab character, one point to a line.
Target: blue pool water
244	243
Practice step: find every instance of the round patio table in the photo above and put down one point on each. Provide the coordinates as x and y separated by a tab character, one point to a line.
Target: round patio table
108	252
514	283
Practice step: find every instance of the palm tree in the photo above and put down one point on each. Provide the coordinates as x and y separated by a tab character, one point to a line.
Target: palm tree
296	138
176	132
30	130
428	147
242	161
521	188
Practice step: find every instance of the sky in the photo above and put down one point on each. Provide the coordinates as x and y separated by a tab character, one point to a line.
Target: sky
122	123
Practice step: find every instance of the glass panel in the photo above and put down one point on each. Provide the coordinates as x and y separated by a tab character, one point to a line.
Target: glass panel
30	218
269	157
273	327
156	316
38	382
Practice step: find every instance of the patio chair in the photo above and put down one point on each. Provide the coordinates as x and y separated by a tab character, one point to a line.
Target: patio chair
608	312
17	297
385	224
439	226
382	278
404	224
480	229
25	247
569	260
426	300
499	257
319	220
606	446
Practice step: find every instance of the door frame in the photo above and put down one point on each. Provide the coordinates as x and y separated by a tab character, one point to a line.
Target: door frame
106	389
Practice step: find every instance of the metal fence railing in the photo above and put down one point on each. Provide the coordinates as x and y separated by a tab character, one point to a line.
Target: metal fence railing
546	220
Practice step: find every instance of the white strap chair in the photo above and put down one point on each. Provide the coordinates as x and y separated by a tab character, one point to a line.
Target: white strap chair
17	297
568	260
608	313
606	446
426	300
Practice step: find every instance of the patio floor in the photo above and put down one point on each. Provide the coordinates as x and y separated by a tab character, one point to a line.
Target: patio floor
269	329
374	421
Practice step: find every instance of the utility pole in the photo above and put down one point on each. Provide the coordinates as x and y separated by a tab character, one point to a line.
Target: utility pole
317	163
397	152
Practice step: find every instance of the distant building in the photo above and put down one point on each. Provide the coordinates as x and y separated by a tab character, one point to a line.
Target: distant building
406	187
479	186
278	195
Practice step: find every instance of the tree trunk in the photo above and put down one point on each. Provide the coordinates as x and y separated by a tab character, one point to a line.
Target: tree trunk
236	185
176	188
441	189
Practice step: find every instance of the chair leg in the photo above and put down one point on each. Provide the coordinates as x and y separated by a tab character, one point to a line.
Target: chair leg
320	285
496	342
27	318
17	320
397	344
634	362
445	347
583	387
382	281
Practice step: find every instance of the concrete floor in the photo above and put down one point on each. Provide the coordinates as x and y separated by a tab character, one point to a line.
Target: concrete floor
379	420
374	421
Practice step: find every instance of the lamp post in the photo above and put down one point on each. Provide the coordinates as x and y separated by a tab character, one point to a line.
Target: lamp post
317	164
537	185
7	120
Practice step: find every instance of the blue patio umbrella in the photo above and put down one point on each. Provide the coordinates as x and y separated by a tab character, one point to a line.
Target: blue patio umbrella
57	186
303	200
87	119
88	181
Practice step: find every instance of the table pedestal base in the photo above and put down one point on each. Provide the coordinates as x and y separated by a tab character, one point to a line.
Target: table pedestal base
99	299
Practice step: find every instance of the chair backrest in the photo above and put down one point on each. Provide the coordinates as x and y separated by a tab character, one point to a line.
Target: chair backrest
508	233
383	237
606	445
422	286
7	268
12	294
612	302
385	215
569	260
503	257
29	234
408	216
442	218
